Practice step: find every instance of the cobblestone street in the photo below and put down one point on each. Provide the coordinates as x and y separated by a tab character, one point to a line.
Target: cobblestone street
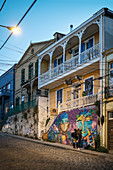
21	154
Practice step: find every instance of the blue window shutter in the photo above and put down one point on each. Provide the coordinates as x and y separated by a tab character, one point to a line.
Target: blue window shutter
55	63
90	44
82	47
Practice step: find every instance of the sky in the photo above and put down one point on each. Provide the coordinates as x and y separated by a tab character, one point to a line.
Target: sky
44	19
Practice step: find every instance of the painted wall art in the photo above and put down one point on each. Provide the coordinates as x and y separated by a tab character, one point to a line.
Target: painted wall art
65	123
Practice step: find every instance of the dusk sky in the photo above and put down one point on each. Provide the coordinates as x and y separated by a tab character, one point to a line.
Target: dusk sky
44	19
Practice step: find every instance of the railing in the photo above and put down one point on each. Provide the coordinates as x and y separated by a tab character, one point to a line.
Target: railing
57	70
44	77
5	92
89	54
70	64
19	108
79	102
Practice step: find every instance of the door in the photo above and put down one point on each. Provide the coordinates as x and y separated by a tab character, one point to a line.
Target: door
111	134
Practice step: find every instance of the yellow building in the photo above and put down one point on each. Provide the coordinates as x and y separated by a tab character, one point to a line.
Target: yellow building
108	99
71	69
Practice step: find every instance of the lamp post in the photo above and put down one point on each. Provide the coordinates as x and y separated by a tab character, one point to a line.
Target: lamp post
12	29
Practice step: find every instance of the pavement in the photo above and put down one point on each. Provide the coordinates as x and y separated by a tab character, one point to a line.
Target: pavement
67	147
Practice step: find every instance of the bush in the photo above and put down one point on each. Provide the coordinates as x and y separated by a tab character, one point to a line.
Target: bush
102	149
97	148
90	148
97	141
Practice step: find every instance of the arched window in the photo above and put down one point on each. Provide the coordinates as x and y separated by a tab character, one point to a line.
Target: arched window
30	71
36	68
22	75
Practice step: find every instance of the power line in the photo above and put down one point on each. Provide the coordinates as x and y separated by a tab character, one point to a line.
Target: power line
2	5
19	23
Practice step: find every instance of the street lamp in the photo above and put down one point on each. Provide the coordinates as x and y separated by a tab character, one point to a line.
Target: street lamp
12	29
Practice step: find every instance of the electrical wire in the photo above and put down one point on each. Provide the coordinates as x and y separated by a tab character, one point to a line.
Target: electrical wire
2	5
19	23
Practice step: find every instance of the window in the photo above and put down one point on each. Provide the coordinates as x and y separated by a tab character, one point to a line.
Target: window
75	94
22	76
29	96
23	99
89	86
111	73
38	91
36	68
58	61
32	51
17	101
110	114
59	96
75	51
30	71
7	87
87	44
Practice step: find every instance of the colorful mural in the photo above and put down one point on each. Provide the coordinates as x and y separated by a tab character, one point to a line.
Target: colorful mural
65	123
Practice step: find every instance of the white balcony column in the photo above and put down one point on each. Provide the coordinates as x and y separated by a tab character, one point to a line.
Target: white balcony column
50	66
80	38
64	49
39	71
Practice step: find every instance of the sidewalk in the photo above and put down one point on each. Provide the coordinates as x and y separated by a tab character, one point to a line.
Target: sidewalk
63	146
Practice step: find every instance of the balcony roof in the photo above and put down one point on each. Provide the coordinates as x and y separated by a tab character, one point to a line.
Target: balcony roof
105	11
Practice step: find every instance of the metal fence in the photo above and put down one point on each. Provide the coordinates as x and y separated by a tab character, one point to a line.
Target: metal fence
19	108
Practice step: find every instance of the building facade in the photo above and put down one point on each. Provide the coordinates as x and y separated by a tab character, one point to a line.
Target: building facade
7	92
72	74
108	99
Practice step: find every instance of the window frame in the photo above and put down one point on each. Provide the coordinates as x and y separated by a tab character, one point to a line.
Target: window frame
93	84
57	96
22	75
30	76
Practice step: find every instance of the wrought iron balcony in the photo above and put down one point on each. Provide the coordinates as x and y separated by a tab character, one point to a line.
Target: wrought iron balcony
70	64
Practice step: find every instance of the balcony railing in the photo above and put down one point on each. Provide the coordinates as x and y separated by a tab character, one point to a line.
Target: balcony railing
79	102
5	92
20	108
70	64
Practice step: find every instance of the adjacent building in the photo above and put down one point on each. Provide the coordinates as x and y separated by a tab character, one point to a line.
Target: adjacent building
7	92
108	99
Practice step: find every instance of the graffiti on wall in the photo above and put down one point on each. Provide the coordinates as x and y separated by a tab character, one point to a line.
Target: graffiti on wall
65	123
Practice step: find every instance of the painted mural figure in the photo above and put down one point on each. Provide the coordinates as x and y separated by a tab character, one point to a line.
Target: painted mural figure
60	130
84	120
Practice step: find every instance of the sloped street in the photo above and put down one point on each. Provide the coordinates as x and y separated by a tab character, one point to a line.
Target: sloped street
18	154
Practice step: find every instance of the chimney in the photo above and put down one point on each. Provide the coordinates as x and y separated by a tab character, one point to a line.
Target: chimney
58	35
71	28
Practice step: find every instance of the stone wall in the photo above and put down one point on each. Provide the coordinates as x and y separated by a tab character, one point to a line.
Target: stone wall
24	123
